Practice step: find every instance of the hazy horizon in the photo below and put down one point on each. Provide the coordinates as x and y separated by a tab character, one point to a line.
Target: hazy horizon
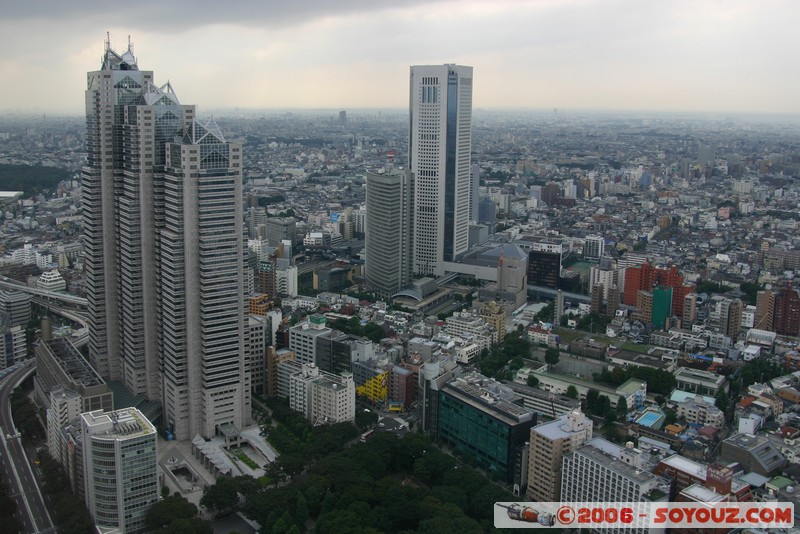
680	56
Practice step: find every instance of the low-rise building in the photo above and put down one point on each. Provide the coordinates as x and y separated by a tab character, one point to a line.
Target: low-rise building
754	453
697	410
324	398
701	382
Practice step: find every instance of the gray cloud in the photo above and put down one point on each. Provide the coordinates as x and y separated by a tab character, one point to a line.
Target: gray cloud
181	15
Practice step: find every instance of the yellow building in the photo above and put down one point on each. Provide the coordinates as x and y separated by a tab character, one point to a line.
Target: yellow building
495	316
376	388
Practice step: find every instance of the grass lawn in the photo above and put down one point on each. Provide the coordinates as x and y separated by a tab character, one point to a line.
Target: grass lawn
249	462
568	334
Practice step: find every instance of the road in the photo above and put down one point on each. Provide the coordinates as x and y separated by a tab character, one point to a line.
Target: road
14	464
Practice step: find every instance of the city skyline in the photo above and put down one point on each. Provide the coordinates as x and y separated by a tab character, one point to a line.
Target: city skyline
674	56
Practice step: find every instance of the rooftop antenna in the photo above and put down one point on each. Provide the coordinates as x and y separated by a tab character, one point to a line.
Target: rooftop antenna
108	41
130	45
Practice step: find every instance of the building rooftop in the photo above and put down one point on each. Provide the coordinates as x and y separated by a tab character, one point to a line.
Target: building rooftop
561	429
489	396
686	465
73	363
696	375
630	386
638	358
119	424
702	494
679	396
760	449
598	450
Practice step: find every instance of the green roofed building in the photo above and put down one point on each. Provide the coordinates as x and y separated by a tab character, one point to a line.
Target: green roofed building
662	306
485	420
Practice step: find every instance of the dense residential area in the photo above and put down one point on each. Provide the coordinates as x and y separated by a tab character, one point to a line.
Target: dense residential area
389	321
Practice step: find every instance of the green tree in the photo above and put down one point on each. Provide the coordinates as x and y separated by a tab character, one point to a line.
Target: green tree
622	407
592	399
672	416
551	356
301	514
532	380
221	496
572	392
167	510
722	401
313	500
604	407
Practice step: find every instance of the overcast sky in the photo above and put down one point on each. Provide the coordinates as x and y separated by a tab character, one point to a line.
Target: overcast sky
692	55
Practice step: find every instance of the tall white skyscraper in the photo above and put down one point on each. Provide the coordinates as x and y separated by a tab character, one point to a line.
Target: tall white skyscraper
163	250
439	156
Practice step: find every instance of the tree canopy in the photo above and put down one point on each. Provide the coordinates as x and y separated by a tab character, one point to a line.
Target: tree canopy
175	514
31	179
658	381
388	484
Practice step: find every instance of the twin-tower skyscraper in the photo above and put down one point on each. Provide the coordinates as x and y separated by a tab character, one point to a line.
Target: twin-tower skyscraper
164	251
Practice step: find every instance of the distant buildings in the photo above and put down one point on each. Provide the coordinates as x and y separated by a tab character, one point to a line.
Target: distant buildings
754	453
17	305
644	277
315	343
786	314
593	247
439	157
699	411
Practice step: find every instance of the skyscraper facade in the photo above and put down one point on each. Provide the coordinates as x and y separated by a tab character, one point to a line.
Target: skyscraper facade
164	250
389	231
201	280
439	156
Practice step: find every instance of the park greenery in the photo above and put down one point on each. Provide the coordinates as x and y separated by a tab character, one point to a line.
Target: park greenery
591	322
546	314
551	356
175	514
298	442
758	371
658	381
242	457
387	484
498	361
749	289
30	179
373	332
